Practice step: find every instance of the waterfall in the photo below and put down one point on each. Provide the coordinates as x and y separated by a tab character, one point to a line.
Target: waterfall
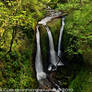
52	51
38	60
60	40
60	37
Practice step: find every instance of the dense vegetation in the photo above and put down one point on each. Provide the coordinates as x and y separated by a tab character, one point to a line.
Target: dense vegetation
18	20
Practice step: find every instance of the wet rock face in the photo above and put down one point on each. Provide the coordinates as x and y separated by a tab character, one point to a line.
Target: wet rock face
50	83
45	84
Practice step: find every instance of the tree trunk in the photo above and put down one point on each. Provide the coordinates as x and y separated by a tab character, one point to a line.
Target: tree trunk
80	2
12	40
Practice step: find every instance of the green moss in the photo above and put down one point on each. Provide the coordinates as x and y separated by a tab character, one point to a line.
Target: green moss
77	30
83	81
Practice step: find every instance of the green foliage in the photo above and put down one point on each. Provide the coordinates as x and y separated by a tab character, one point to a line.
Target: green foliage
83	81
17	16
18	71
78	30
18	19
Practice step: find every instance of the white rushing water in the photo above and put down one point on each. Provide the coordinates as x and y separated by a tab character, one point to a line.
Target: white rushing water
52	51
60	37
45	20
49	18
38	60
59	43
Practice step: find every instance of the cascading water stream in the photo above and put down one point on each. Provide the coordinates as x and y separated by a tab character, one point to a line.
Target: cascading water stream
38	60
60	41
60	37
52	51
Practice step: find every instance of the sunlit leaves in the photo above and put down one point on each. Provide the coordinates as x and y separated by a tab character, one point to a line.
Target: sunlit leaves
78	26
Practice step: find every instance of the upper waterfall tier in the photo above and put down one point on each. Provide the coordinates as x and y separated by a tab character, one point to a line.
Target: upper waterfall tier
52	16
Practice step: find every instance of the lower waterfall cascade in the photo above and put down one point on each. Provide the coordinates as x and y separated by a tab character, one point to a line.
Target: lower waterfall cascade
53	57
38	59
52	51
